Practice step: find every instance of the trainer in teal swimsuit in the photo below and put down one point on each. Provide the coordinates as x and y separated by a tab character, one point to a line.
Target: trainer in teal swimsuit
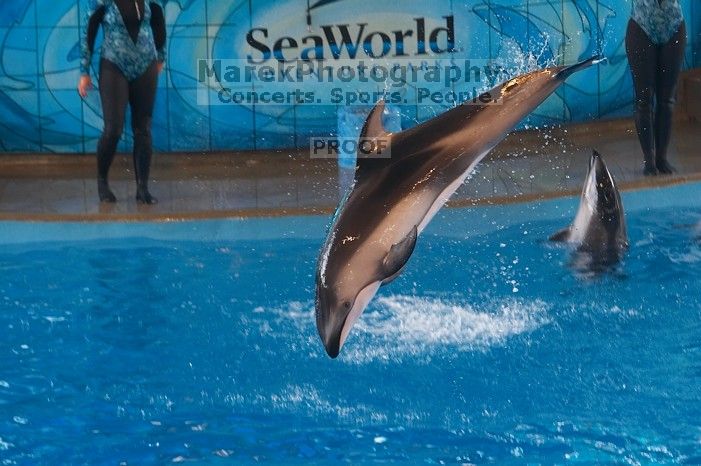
132	56
132	52
655	40
659	19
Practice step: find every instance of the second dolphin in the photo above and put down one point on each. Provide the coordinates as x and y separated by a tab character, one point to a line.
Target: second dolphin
599	229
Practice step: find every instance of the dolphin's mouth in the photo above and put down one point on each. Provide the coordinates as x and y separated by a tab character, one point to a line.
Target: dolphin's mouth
361	302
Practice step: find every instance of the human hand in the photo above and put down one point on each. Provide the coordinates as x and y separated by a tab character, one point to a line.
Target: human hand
159	66
84	85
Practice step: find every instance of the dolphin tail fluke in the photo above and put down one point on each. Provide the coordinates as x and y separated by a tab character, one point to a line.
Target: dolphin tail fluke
568	70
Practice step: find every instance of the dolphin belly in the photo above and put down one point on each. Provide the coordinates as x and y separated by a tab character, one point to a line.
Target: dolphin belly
449	190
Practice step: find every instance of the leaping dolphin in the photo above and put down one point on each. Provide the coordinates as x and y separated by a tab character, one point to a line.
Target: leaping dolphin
374	230
599	229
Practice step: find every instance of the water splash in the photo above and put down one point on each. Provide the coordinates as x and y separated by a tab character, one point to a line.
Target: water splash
513	60
407	325
308	400
690	256
399	326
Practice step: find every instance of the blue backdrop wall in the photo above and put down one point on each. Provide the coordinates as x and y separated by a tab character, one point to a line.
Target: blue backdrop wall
39	56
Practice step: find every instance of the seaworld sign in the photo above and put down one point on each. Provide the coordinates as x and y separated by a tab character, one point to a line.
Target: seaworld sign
345	41
288	61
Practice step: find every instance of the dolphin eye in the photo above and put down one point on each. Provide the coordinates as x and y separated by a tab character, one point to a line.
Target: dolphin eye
346	305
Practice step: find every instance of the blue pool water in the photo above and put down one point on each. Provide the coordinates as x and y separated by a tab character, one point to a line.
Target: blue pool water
195	342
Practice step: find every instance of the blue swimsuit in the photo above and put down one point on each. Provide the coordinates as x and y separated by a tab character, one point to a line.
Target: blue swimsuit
132	51
660	19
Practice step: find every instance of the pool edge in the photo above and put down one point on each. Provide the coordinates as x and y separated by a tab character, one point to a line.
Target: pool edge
145	216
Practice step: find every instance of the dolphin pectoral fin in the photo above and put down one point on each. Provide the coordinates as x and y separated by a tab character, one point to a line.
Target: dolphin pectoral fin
562	235
398	256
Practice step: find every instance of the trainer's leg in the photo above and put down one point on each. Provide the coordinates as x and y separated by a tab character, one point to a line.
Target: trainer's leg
669	65
142	94
114	94
642	57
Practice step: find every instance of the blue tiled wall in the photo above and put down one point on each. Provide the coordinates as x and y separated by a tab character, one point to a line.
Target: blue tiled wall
41	111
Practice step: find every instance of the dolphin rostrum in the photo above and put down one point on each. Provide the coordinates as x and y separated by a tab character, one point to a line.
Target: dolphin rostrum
599	228
374	230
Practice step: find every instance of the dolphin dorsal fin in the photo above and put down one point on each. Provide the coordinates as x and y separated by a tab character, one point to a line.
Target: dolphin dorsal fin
398	256
377	135
374	126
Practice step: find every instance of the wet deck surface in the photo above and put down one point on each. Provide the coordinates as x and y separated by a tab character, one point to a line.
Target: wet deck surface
527	165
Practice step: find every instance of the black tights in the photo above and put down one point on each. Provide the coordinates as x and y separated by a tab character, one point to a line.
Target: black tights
115	93
655	71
